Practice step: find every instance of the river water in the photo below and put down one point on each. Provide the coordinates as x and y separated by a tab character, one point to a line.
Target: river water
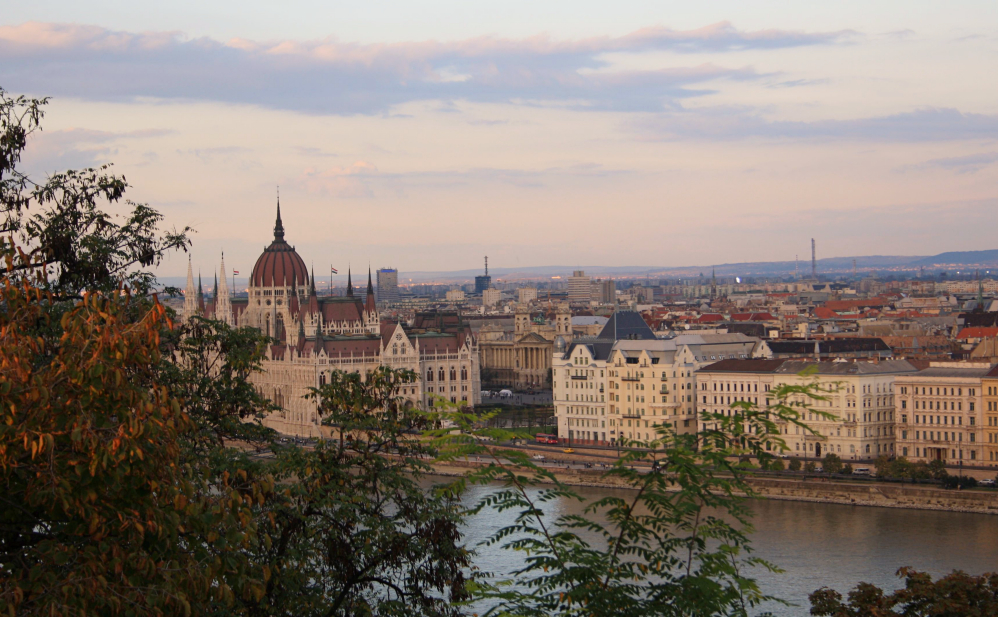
815	544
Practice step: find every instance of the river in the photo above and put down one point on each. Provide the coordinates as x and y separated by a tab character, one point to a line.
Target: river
815	544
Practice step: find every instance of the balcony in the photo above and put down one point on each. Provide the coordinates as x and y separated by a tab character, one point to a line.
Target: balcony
579	377
630	379
629	414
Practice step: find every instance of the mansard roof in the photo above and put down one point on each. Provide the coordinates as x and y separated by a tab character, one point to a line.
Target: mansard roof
626	325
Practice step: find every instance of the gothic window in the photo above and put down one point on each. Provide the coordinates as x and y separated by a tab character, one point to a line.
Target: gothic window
464	373
441	374
453	374
429	374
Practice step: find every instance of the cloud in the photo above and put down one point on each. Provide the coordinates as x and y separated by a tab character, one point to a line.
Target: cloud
349	181
968	164
77	148
362	178
729	123
331	77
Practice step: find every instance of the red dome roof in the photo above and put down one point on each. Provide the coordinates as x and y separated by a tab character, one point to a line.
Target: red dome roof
280	265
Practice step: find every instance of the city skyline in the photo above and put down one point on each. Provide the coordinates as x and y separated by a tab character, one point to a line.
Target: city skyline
717	134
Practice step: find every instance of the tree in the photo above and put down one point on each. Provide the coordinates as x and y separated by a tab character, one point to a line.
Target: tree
832	463
60	225
776	465
795	464
810	467
353	532
847	469
955	594
93	495
679	545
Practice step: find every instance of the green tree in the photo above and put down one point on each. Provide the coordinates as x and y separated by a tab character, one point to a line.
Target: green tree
795	464
810	467
352	531
955	594
847	469
61	226
832	463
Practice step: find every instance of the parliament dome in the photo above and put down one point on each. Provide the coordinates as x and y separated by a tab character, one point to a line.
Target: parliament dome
279	265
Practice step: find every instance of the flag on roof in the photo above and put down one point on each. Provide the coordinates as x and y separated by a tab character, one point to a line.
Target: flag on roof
235	271
333	270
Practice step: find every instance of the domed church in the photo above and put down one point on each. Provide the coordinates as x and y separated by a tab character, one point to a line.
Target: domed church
315	335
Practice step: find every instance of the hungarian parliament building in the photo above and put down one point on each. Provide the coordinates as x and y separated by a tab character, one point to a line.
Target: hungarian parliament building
314	336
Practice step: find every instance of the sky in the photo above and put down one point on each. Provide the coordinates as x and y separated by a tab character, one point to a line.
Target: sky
425	135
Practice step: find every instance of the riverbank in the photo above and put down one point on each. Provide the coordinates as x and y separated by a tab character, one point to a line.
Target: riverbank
815	490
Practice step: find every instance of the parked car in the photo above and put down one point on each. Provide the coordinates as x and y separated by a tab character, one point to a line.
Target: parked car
986	482
538	457
568	451
861	471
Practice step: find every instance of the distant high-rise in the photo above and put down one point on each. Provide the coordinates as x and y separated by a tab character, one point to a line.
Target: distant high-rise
579	287
483	282
388	285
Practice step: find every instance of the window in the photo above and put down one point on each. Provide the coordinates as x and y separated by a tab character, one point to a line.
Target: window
429	374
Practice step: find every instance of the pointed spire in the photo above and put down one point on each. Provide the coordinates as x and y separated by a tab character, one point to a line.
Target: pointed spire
279	226
349	284
370	306
311	285
190	294
200	296
223	303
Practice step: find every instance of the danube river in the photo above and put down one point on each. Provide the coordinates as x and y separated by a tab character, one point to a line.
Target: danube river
815	544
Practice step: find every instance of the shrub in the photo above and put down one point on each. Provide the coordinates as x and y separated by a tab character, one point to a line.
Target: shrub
832	463
810	467
795	464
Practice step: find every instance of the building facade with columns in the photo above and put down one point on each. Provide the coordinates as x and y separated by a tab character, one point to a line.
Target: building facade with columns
522	358
314	336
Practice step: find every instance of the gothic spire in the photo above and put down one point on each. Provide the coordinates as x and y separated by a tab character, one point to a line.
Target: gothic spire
370	287
349	284
190	294
311	286
279	226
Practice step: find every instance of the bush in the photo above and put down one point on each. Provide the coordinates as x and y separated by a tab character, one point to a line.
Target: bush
776	465
953	482
847	469
832	463
795	464
810	467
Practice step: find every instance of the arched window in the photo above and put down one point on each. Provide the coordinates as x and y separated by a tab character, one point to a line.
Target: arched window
429	374
453	374
441	374
464	373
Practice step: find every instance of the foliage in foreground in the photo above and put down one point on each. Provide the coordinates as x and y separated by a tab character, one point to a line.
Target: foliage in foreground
679	546
957	594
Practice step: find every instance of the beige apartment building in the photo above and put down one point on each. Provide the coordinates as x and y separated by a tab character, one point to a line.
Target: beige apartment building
941	413
649	386
989	387
860	396
579	373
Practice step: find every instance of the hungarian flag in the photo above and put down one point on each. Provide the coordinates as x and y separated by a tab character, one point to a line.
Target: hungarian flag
235	272
333	270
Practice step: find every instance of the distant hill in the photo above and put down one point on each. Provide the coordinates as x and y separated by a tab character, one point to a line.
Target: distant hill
832	265
960	258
